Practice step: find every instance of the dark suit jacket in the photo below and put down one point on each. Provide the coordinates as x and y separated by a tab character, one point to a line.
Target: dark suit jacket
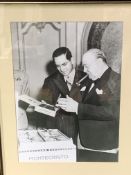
98	113
54	86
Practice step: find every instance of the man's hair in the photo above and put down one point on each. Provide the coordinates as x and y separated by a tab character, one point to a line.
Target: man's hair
98	53
60	51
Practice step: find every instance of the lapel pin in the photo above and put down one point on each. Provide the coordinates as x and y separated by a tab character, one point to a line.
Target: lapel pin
83	88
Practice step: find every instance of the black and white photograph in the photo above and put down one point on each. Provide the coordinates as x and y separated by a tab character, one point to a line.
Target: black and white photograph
67	86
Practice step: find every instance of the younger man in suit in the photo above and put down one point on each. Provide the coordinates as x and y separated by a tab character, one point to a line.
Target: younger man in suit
60	84
98	113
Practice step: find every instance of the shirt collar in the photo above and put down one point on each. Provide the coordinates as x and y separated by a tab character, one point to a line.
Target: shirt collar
70	77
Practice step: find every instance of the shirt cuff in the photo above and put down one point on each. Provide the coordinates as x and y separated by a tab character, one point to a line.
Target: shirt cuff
77	108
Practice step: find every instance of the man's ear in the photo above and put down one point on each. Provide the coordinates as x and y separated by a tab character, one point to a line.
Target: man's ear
73	62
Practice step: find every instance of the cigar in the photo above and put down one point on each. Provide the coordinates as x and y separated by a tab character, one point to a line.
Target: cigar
79	82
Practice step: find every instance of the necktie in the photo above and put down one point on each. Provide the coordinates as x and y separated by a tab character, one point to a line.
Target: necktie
69	84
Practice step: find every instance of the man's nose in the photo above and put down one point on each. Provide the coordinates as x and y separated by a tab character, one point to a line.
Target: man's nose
62	68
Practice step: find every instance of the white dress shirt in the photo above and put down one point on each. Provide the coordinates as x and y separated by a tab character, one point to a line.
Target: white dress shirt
70	79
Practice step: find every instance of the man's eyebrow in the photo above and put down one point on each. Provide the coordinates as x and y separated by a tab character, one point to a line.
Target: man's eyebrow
62	63
65	63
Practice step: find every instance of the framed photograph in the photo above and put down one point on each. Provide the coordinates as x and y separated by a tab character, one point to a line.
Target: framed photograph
65	101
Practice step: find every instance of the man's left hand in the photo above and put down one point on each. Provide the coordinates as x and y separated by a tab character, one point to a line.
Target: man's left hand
68	104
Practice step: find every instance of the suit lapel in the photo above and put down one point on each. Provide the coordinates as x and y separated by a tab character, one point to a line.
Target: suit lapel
86	93
99	84
76	78
61	84
75	90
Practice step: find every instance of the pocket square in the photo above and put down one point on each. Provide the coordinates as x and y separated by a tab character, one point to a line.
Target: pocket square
83	88
99	91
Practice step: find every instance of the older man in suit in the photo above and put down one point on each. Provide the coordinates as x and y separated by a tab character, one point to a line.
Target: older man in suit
60	84
98	113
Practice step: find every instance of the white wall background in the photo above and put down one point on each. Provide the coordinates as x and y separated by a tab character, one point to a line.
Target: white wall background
33	47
